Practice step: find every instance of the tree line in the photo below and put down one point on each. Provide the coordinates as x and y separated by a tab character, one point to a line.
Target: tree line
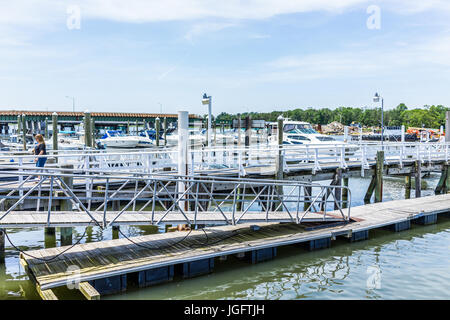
428	117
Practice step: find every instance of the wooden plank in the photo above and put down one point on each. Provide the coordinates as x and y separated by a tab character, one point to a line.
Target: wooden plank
47	294
89	291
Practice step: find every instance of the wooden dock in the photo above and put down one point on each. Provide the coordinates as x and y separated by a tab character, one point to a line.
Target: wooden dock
154	257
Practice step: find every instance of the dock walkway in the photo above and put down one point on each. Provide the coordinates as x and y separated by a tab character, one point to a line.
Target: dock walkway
120	257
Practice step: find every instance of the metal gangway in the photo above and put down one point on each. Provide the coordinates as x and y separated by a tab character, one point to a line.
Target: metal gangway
63	197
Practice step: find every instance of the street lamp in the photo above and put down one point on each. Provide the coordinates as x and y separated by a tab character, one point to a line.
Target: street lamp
73	102
207	100
377	98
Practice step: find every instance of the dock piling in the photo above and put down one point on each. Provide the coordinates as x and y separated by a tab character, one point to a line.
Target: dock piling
407	187
87	129
66	205
24	132
157	126
2	246
418	178
55	132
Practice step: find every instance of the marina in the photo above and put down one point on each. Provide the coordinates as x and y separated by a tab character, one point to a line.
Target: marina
246	202
242	150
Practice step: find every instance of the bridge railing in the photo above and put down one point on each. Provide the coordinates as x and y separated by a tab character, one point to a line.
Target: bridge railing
156	198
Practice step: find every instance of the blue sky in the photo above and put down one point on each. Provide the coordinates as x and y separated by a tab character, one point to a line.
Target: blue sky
130	56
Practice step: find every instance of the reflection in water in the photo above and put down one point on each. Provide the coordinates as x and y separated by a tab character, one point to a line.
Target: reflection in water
412	264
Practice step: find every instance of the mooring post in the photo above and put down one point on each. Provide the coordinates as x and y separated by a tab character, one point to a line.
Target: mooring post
46	129
128	127
403	133
66	205
379	177
55	133
279	168
2	246
165	131
49	237
19	124
157	125
345	192
407	187
418	177
248	130
24	132
183	138
92	132
239	131
338	191
115	232
447	126
137	126
87	129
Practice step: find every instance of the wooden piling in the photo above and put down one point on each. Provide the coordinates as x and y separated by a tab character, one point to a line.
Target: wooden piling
19	124
443	185
279	170
24	132
418	178
379	176
338	191
46	129
407	187
87	129
92	127
165	131
345	193
2	245
157	125
55	132
66	205
115	232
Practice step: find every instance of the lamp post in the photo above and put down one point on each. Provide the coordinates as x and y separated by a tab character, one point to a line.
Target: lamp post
73	102
377	98
207	100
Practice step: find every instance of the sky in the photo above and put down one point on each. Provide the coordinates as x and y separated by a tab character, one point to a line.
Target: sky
249	55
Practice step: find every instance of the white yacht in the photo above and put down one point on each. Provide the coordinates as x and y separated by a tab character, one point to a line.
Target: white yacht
299	132
147	139
116	139
197	138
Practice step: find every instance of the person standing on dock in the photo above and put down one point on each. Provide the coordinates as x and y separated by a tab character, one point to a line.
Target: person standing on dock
40	150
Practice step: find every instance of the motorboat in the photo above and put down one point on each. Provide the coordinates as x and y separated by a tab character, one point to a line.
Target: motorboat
117	139
147	139
301	133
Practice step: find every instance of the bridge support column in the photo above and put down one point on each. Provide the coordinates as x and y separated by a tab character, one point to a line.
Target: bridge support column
376	184
443	185
407	187
418	177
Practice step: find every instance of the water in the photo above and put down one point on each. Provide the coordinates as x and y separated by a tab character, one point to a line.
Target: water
412	264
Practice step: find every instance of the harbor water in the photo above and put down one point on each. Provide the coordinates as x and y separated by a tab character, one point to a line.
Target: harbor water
408	265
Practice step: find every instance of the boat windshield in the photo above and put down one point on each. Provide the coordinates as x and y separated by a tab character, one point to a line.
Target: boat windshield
113	134
321	138
301	128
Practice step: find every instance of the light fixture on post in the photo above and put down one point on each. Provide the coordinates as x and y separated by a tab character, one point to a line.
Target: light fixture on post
376	99
207	100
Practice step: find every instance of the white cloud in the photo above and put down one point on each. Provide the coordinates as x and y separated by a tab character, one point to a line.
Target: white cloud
199	29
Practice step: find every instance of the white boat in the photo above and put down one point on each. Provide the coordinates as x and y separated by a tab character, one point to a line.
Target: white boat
116	139
299	132
197	138
147	139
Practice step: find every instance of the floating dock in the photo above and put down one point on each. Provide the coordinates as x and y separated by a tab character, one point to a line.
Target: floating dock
106	267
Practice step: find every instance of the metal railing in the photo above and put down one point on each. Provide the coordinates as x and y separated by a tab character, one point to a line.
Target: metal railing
159	198
240	158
